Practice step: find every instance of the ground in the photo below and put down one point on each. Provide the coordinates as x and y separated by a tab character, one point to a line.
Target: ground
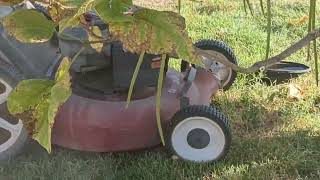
275	136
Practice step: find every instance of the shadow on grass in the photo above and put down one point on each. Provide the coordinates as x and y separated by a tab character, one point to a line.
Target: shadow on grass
292	155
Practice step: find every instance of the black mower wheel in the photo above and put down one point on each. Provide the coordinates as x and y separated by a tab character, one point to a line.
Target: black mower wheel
13	136
198	134
226	51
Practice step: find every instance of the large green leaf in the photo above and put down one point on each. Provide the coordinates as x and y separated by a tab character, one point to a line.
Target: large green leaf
156	32
29	26
37	102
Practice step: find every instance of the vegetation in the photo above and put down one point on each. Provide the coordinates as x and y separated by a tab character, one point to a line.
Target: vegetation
275	135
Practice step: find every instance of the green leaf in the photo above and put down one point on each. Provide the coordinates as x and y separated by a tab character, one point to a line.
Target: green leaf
156	32
134	77
158	97
27	95
112	11
36	102
29	26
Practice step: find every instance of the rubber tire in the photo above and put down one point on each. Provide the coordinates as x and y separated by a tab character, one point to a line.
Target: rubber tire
220	47
201	111
11	76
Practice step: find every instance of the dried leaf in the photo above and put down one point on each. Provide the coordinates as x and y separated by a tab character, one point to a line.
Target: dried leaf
299	21
295	92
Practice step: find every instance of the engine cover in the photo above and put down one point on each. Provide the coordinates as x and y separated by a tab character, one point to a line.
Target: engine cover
124	64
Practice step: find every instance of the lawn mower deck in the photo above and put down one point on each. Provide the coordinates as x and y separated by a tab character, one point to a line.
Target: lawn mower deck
104	124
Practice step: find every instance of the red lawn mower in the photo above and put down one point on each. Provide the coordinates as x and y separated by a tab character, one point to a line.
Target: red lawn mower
95	118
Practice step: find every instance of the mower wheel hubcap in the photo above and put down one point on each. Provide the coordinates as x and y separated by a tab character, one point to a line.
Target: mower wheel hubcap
223	72
198	139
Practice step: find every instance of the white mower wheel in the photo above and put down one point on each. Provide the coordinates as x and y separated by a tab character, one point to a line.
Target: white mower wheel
199	134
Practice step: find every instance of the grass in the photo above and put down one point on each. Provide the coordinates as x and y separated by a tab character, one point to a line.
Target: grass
274	136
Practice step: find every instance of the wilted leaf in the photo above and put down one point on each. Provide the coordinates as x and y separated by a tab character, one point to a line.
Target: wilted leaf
298	21
29	26
96	35
43	98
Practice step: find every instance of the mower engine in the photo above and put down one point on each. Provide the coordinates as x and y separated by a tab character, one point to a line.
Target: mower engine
113	58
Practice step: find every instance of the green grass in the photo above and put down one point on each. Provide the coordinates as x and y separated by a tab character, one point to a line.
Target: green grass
274	136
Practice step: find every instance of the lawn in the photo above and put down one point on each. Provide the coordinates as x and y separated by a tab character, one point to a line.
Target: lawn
275	136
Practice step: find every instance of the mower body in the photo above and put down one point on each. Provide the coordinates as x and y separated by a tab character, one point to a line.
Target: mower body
95	117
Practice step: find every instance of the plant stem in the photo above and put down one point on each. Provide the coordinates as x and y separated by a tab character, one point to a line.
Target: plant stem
309	29
269	28
75	57
158	98
262	7
316	61
313	23
250	7
134	77
265	63
245	6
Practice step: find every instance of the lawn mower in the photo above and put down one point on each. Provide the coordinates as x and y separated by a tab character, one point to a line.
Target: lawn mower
95	117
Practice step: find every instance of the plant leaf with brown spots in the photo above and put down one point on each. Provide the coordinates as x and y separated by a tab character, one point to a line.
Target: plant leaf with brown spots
156	32
29	26
43	98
